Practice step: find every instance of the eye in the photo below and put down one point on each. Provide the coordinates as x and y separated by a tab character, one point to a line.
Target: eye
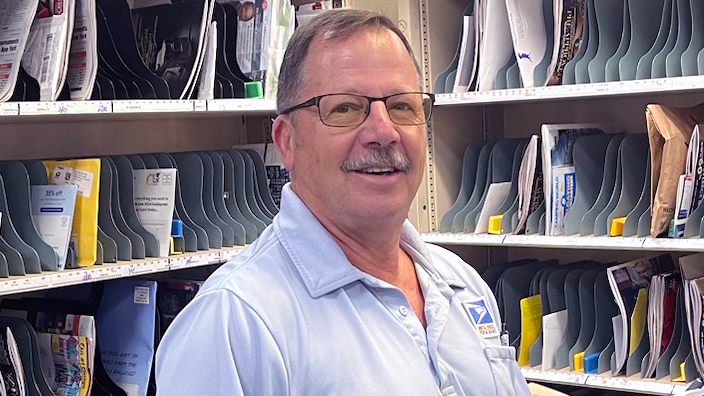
346	108
403	106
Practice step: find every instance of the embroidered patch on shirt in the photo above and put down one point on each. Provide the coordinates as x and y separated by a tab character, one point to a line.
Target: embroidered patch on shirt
481	317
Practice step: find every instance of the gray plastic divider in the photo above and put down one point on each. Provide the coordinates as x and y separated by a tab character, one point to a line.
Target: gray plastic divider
501	170
586	226
19	199
513	77
263	188
241	194
469	176
441	80
690	368
195	237
228	233
108	248
612	70
644	223
645	64
604	363
482	179
230	200
513	178
574	318
30	258
673	61
106	223
581	70
190	169
660	60
251	165
589	153
501	79
136	241
536	220
587	323
251	189
609	19
240	233
630	227
13	258
635	149
36	172
600	223
644	16
126	182
605	308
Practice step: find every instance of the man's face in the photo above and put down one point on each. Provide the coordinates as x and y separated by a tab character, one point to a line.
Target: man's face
372	62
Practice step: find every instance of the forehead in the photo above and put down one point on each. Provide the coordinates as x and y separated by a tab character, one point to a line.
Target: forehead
371	61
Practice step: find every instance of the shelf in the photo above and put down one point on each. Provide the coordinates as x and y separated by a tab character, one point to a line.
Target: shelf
122	269
100	108
569	242
605	381
578	91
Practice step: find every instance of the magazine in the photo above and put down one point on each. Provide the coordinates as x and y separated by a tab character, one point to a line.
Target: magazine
626	281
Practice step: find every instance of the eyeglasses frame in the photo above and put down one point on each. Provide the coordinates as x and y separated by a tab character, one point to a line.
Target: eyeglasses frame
315	101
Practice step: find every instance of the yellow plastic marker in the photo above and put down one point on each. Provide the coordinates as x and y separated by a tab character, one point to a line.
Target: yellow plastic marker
579	361
681	378
617	226
171	245
495	224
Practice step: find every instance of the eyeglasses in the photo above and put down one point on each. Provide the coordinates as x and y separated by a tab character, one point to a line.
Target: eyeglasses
349	110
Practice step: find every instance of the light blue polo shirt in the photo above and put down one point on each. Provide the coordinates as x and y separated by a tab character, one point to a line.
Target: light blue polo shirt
291	316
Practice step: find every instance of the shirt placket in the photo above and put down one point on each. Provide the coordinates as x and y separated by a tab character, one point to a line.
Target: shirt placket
397	305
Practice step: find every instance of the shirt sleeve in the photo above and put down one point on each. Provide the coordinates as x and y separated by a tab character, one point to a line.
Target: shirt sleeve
219	345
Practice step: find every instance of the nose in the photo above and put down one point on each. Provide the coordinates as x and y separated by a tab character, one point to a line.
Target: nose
378	129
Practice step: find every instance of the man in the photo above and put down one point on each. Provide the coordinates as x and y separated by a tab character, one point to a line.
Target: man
340	296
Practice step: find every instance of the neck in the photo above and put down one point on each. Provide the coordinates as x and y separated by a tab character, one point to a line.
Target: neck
374	250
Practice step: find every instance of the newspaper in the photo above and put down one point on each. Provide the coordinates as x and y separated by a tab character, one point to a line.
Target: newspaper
693	278
171	38
83	57
16	17
45	57
662	299
530	184
466	66
626	280
559	181
65	363
568	24
11	366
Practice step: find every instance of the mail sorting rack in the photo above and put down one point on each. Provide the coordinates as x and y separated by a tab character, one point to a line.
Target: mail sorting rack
530	43
508	117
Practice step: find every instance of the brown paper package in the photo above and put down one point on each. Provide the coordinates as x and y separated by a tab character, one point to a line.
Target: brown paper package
669	131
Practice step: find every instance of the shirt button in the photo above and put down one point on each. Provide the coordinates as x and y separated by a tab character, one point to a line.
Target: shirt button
403	310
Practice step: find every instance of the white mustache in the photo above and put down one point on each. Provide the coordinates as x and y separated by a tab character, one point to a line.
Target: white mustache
378	158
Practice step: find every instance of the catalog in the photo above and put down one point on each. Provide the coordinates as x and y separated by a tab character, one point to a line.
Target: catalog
16	17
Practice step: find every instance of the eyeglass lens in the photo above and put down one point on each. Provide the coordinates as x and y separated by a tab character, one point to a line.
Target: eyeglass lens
352	110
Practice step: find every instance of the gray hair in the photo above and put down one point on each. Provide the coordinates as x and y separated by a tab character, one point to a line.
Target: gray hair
331	25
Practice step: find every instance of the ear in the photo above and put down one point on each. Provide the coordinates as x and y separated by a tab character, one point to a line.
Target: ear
282	134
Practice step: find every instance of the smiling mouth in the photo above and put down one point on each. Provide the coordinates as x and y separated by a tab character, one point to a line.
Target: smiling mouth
376	171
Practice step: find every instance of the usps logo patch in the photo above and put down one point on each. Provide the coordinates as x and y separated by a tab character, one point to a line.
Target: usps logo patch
480	315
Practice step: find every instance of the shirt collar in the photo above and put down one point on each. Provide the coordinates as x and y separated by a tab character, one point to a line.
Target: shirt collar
321	262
